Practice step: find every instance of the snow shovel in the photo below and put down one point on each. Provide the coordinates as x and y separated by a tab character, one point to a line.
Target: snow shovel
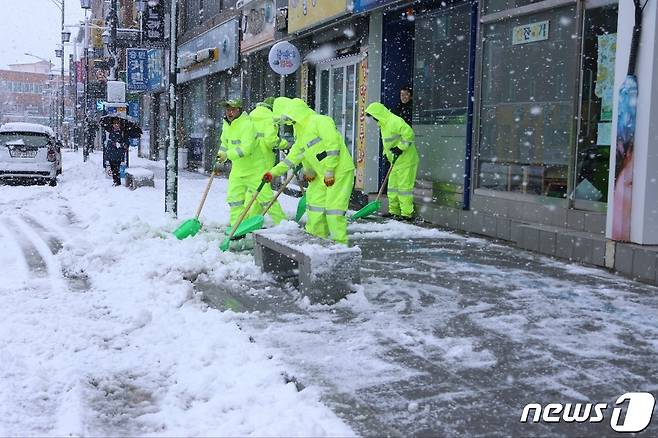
374	206
301	205
227	242
256	222
192	226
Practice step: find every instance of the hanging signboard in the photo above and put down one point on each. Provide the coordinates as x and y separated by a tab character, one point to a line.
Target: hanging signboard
137	69
284	58
153	24
530	33
258	20
155	70
223	38
362	101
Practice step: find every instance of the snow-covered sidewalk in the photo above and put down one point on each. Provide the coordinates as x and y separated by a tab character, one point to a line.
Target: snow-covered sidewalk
102	333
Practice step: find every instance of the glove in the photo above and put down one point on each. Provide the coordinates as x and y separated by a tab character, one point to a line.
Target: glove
267	177
396	151
329	181
308	177
221	156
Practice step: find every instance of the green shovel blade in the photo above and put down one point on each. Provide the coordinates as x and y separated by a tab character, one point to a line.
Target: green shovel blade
225	245
247	226
301	208
370	208
188	228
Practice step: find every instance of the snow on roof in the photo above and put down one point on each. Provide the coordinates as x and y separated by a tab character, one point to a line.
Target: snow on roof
27	127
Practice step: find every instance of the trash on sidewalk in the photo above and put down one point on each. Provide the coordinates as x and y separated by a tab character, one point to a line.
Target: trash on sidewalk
327	271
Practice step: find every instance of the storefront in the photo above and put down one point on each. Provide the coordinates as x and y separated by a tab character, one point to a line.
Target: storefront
208	75
429	47
333	76
546	96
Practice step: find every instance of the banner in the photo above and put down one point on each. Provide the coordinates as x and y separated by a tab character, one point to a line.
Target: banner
362	100
153	24
137	69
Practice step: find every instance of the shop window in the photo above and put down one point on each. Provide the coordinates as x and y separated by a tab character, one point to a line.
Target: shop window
594	141
527	108
440	83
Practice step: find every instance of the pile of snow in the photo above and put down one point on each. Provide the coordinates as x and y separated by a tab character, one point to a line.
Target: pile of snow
135	351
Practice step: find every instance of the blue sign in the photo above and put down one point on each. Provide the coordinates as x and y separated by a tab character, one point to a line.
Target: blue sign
137	69
155	70
133	109
366	5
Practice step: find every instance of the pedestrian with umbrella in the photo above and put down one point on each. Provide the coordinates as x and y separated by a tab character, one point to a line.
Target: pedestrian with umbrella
115	150
120	130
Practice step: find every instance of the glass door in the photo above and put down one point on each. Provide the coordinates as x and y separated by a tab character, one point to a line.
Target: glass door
596	97
336	97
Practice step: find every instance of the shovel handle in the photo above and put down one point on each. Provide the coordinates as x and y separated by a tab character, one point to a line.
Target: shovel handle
205	195
278	192
381	189
246	210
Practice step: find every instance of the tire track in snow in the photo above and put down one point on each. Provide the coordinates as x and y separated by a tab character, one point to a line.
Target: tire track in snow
35	262
54	244
47	248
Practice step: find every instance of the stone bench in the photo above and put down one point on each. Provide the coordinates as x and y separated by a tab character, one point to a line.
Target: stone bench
327	271
139	177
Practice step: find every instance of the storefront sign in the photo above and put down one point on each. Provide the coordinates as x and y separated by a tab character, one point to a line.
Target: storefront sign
303	14
155	70
360	147
530	33
223	38
137	69
366	5
284	58
258	19
153	24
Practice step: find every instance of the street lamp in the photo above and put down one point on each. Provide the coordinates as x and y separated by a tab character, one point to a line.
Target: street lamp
66	36
85	4
60	5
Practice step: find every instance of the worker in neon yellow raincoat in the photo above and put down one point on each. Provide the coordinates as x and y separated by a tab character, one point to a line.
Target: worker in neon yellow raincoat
399	141
267	135
328	167
238	143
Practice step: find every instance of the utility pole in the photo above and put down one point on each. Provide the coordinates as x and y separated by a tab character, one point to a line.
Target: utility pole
171	157
61	108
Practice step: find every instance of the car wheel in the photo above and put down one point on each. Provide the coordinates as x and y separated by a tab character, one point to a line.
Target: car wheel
53	182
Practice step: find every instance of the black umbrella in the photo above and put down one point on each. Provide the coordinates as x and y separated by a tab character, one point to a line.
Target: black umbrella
128	125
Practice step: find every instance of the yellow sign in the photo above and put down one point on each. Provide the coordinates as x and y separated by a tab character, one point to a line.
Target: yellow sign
97	33
360	147
303	14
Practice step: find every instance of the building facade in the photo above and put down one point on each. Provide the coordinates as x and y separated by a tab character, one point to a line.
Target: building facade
514	108
30	93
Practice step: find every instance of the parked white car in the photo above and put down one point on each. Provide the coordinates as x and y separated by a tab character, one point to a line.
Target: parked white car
29	151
